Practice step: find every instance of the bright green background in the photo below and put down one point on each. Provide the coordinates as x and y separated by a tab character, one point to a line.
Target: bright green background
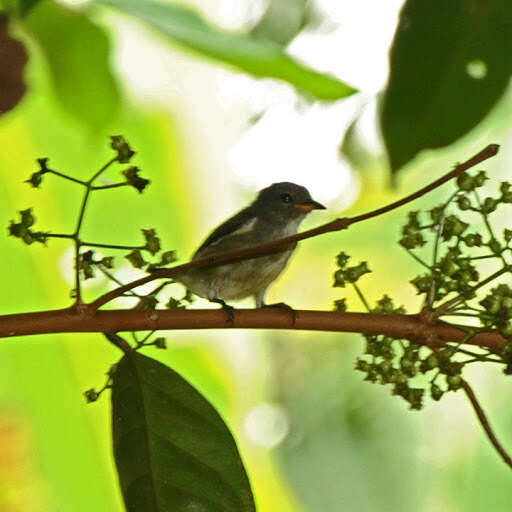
351	445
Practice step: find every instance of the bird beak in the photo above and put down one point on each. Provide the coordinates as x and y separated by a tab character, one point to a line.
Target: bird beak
307	206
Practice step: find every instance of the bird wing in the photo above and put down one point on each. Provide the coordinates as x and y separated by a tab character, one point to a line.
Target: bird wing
241	222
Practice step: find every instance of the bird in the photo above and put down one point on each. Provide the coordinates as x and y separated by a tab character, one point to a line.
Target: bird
277	212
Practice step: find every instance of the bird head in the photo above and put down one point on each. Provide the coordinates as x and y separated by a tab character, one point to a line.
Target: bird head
286	201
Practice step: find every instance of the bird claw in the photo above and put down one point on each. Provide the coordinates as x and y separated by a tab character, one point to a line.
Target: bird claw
284	307
227	308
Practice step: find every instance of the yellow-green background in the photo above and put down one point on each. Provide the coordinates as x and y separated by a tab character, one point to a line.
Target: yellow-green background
351	446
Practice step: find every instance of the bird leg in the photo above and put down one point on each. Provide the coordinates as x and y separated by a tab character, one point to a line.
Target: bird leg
227	308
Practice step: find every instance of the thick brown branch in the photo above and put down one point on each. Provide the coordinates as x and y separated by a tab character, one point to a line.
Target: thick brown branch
410	327
268	247
482	418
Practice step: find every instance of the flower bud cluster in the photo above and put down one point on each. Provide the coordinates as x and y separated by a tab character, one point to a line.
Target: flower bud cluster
22	229
348	275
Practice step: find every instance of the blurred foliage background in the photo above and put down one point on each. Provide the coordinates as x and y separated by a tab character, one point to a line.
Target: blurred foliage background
313	436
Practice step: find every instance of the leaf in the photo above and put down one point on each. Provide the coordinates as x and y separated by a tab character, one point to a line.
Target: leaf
255	56
78	54
13	58
172	449
449	66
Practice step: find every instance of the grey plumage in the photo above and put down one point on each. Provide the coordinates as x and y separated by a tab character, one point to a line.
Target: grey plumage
277	212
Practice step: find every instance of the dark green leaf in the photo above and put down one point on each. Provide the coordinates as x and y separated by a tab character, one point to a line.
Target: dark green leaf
256	56
78	53
172	449
449	65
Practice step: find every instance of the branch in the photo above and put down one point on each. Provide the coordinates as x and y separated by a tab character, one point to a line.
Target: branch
412	327
482	418
269	247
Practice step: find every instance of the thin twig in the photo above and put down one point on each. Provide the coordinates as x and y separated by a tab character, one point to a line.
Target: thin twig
482	418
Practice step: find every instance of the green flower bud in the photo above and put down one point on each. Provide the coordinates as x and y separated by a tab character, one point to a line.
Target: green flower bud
124	151
362	365
436	392
160	343
464	203
340	305
436	214
342	259
454	382
136	259
480	178
489	205
466	182
339	278
473	240
91	395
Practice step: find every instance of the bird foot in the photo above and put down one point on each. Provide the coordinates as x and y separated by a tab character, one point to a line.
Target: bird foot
227	308
284	307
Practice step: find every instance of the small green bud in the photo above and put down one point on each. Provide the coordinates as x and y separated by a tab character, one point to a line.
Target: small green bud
108	262
342	259
168	257
431	361
436	214
473	240
340	305
134	179
136	259
124	151
385	305
160	343
28	238
362	365
35	179
480	178
91	395
507	330
505	187
448	268
152	241
466	182
339	278
422	283
27	217
436	392
454	382
173	303
464	203
489	205
147	303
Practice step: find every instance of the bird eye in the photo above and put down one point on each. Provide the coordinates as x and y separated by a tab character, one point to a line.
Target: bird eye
286	198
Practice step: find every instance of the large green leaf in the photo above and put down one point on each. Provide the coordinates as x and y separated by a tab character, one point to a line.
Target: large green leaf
254	55
78	53
450	62
172	449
